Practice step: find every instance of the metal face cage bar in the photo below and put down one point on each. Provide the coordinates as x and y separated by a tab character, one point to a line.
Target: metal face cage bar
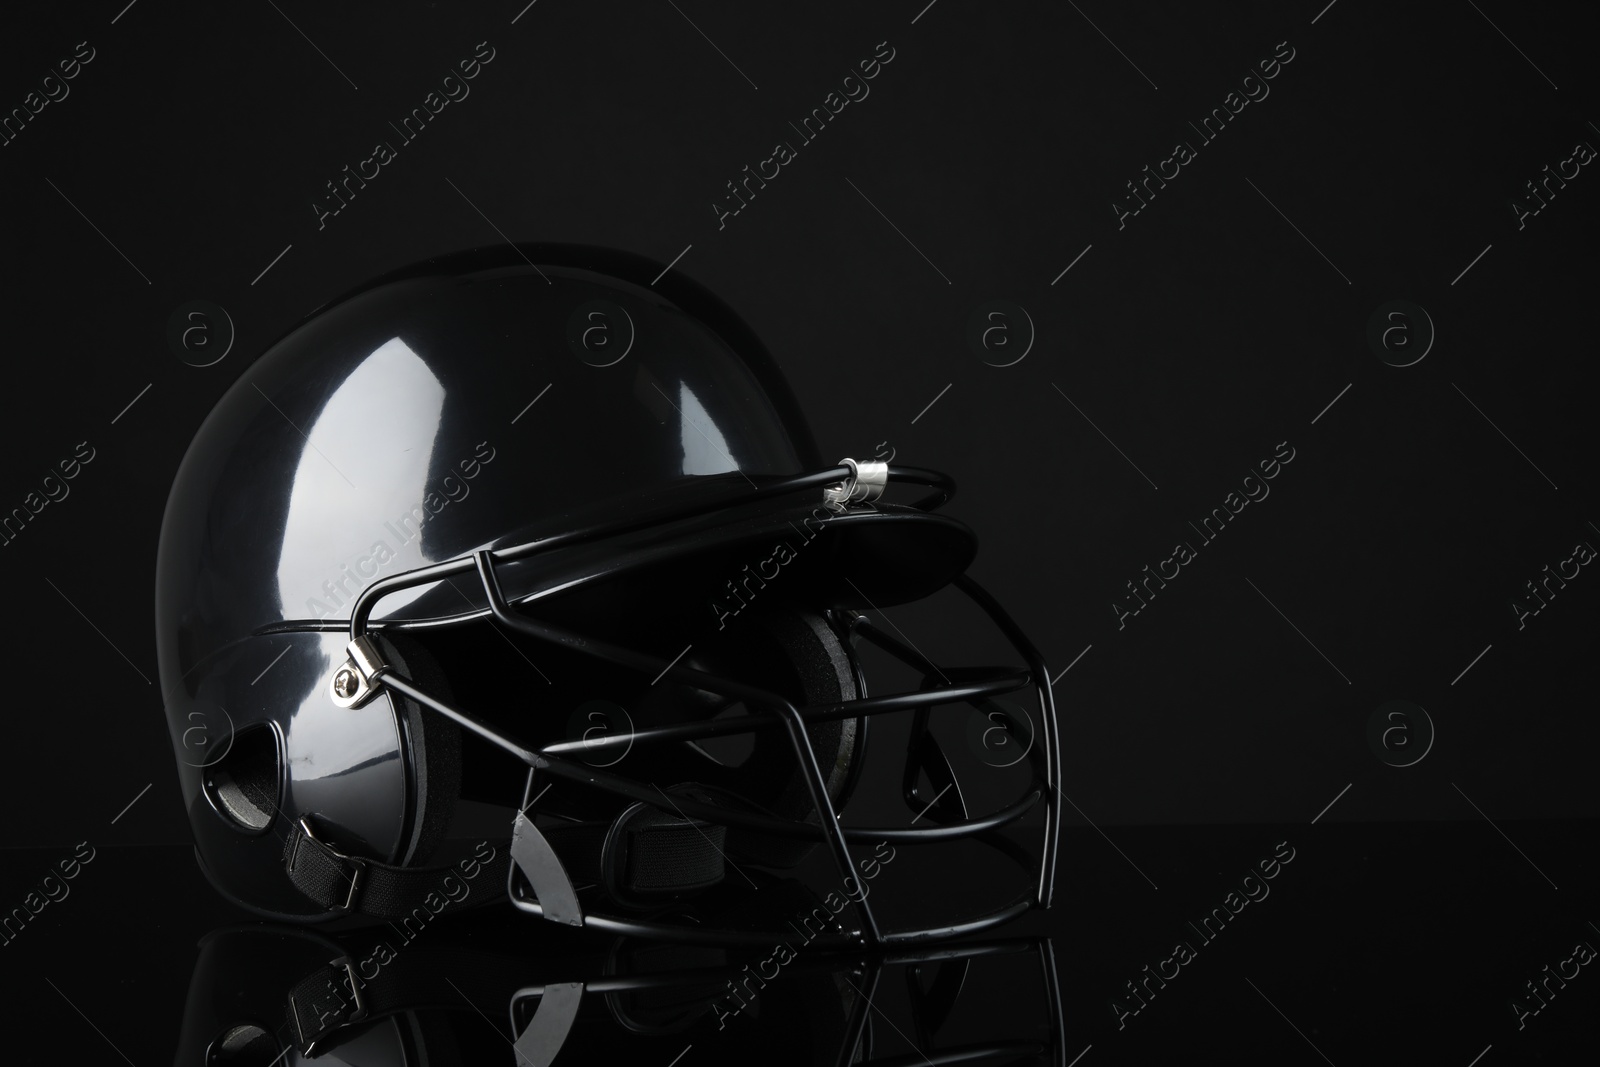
769	710
361	611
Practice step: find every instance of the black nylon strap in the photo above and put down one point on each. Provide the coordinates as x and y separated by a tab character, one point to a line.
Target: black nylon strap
345	883
657	853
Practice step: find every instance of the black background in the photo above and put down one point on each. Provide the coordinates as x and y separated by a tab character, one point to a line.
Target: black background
1197	337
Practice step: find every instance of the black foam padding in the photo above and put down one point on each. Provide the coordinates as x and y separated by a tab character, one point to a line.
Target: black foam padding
667	852
435	747
246	780
825	675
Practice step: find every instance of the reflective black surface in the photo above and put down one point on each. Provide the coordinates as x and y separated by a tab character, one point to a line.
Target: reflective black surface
130	946
463	996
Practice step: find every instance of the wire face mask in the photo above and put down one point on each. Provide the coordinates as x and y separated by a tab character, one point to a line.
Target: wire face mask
545	555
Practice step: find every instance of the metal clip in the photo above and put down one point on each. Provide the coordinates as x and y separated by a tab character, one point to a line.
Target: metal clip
355	681
349	966
866	483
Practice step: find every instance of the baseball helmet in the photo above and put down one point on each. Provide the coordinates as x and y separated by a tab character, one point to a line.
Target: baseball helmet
519	574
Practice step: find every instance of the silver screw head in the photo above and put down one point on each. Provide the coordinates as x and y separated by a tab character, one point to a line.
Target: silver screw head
346	683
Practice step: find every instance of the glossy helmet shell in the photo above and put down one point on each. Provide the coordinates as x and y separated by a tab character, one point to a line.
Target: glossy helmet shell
455	406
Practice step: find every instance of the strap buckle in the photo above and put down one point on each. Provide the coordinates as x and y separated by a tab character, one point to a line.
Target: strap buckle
349	966
352	869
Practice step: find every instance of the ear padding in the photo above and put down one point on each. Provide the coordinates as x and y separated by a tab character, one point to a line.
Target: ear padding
818	671
432	745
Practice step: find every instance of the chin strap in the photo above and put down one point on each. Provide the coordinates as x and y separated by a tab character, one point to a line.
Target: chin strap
348	884
642	857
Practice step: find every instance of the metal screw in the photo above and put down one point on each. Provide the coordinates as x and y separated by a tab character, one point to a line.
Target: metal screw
346	683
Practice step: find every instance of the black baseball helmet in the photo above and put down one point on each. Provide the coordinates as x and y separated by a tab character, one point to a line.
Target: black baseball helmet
524	564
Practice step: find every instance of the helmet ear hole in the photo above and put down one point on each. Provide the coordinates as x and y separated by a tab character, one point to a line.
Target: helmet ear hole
435	743
244	786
